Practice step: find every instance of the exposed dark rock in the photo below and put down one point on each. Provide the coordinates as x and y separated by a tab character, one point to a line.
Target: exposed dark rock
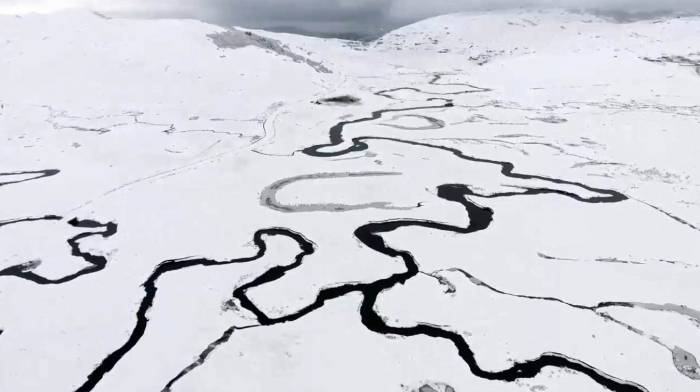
339	100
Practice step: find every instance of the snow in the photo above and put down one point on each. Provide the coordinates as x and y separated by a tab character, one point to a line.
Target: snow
539	169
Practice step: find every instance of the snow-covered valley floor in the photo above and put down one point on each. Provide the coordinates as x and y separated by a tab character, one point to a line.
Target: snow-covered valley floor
487	202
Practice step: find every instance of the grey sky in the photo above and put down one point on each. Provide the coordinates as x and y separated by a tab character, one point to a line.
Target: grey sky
362	17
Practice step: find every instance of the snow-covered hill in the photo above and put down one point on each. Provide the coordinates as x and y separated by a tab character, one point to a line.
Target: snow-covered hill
503	201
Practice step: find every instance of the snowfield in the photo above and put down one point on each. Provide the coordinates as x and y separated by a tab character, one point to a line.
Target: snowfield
494	202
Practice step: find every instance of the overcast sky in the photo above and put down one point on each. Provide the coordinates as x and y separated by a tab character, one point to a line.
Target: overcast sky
333	16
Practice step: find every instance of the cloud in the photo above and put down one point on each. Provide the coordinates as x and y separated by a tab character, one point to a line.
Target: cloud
365	16
417	9
299	10
335	9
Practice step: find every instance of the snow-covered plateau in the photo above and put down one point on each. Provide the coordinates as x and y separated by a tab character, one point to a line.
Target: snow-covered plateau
486	202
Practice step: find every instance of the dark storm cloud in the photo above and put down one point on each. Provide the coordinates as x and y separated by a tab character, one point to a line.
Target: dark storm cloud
301	9
360	17
370	18
344	9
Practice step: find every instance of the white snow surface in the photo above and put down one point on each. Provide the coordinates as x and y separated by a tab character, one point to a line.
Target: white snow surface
138	158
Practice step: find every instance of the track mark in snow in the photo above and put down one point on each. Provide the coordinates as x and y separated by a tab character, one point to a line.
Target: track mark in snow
203	356
668	214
